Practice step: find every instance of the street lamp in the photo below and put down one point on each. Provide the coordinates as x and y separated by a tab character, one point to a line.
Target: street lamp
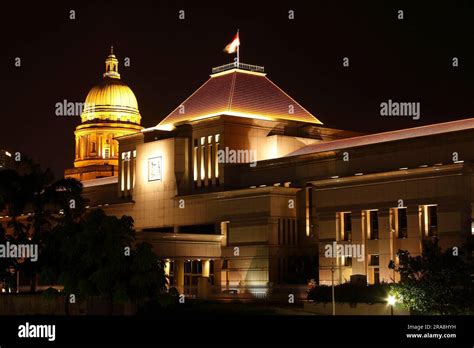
391	300
333	269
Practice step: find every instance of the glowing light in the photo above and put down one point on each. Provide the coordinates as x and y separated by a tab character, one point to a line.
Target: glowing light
391	300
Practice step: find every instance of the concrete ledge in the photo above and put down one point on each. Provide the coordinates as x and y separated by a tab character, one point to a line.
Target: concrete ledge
354	309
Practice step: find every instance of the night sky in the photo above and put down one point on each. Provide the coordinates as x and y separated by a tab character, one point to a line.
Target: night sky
406	60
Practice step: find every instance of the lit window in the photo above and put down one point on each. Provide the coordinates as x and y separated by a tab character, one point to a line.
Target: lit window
128	171
373	224
345	226
209	161
195	160
399	222
429	220
374	260
346	261
134	168
309	207
203	171
216	158
402	230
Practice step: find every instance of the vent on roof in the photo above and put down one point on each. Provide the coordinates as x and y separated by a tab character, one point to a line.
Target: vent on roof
236	65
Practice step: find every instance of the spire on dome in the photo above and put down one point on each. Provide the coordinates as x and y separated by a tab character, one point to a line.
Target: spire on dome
111	65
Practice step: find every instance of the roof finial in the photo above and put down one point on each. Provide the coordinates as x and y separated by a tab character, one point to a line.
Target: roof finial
111	65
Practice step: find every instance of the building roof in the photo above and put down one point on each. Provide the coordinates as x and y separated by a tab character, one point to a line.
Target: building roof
111	99
401	134
238	92
101	181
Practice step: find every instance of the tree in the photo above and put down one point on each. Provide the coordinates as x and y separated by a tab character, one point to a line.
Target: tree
34	204
436	282
94	258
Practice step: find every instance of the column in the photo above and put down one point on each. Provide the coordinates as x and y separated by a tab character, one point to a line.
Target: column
206	267
179	275
167	270
203	281
77	147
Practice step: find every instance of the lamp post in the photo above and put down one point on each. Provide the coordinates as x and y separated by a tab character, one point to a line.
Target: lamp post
332	289
391	300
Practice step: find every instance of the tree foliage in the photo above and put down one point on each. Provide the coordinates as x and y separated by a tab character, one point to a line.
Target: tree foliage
436	282
94	257
34	203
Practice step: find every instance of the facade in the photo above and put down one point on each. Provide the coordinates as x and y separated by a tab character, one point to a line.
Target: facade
243	187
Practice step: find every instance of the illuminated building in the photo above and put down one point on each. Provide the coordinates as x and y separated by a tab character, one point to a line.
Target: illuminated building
110	111
263	225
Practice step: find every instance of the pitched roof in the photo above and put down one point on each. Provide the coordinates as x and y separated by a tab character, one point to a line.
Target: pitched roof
238	92
377	138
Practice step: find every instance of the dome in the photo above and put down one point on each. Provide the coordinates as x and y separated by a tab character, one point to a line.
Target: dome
111	99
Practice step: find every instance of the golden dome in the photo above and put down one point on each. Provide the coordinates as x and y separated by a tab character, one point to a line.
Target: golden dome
111	99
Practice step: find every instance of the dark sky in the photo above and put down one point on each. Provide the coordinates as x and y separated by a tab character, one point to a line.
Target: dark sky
404	60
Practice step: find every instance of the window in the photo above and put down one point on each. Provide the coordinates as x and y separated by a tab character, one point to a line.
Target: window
216	161
376	275
346	261
432	220
402	229
134	167
193	270
127	161
346	227
203	170
373	224
195	160
429	220
374	260
209	161
309	207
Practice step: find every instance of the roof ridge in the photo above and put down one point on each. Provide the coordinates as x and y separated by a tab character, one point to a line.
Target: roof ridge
274	84
205	83
231	94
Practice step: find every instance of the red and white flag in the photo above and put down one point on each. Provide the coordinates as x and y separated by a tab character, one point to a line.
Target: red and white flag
232	47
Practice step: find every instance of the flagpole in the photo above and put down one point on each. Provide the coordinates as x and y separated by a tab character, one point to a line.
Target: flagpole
238	58
238	49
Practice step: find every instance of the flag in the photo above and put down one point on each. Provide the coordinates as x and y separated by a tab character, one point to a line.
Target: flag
232	47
